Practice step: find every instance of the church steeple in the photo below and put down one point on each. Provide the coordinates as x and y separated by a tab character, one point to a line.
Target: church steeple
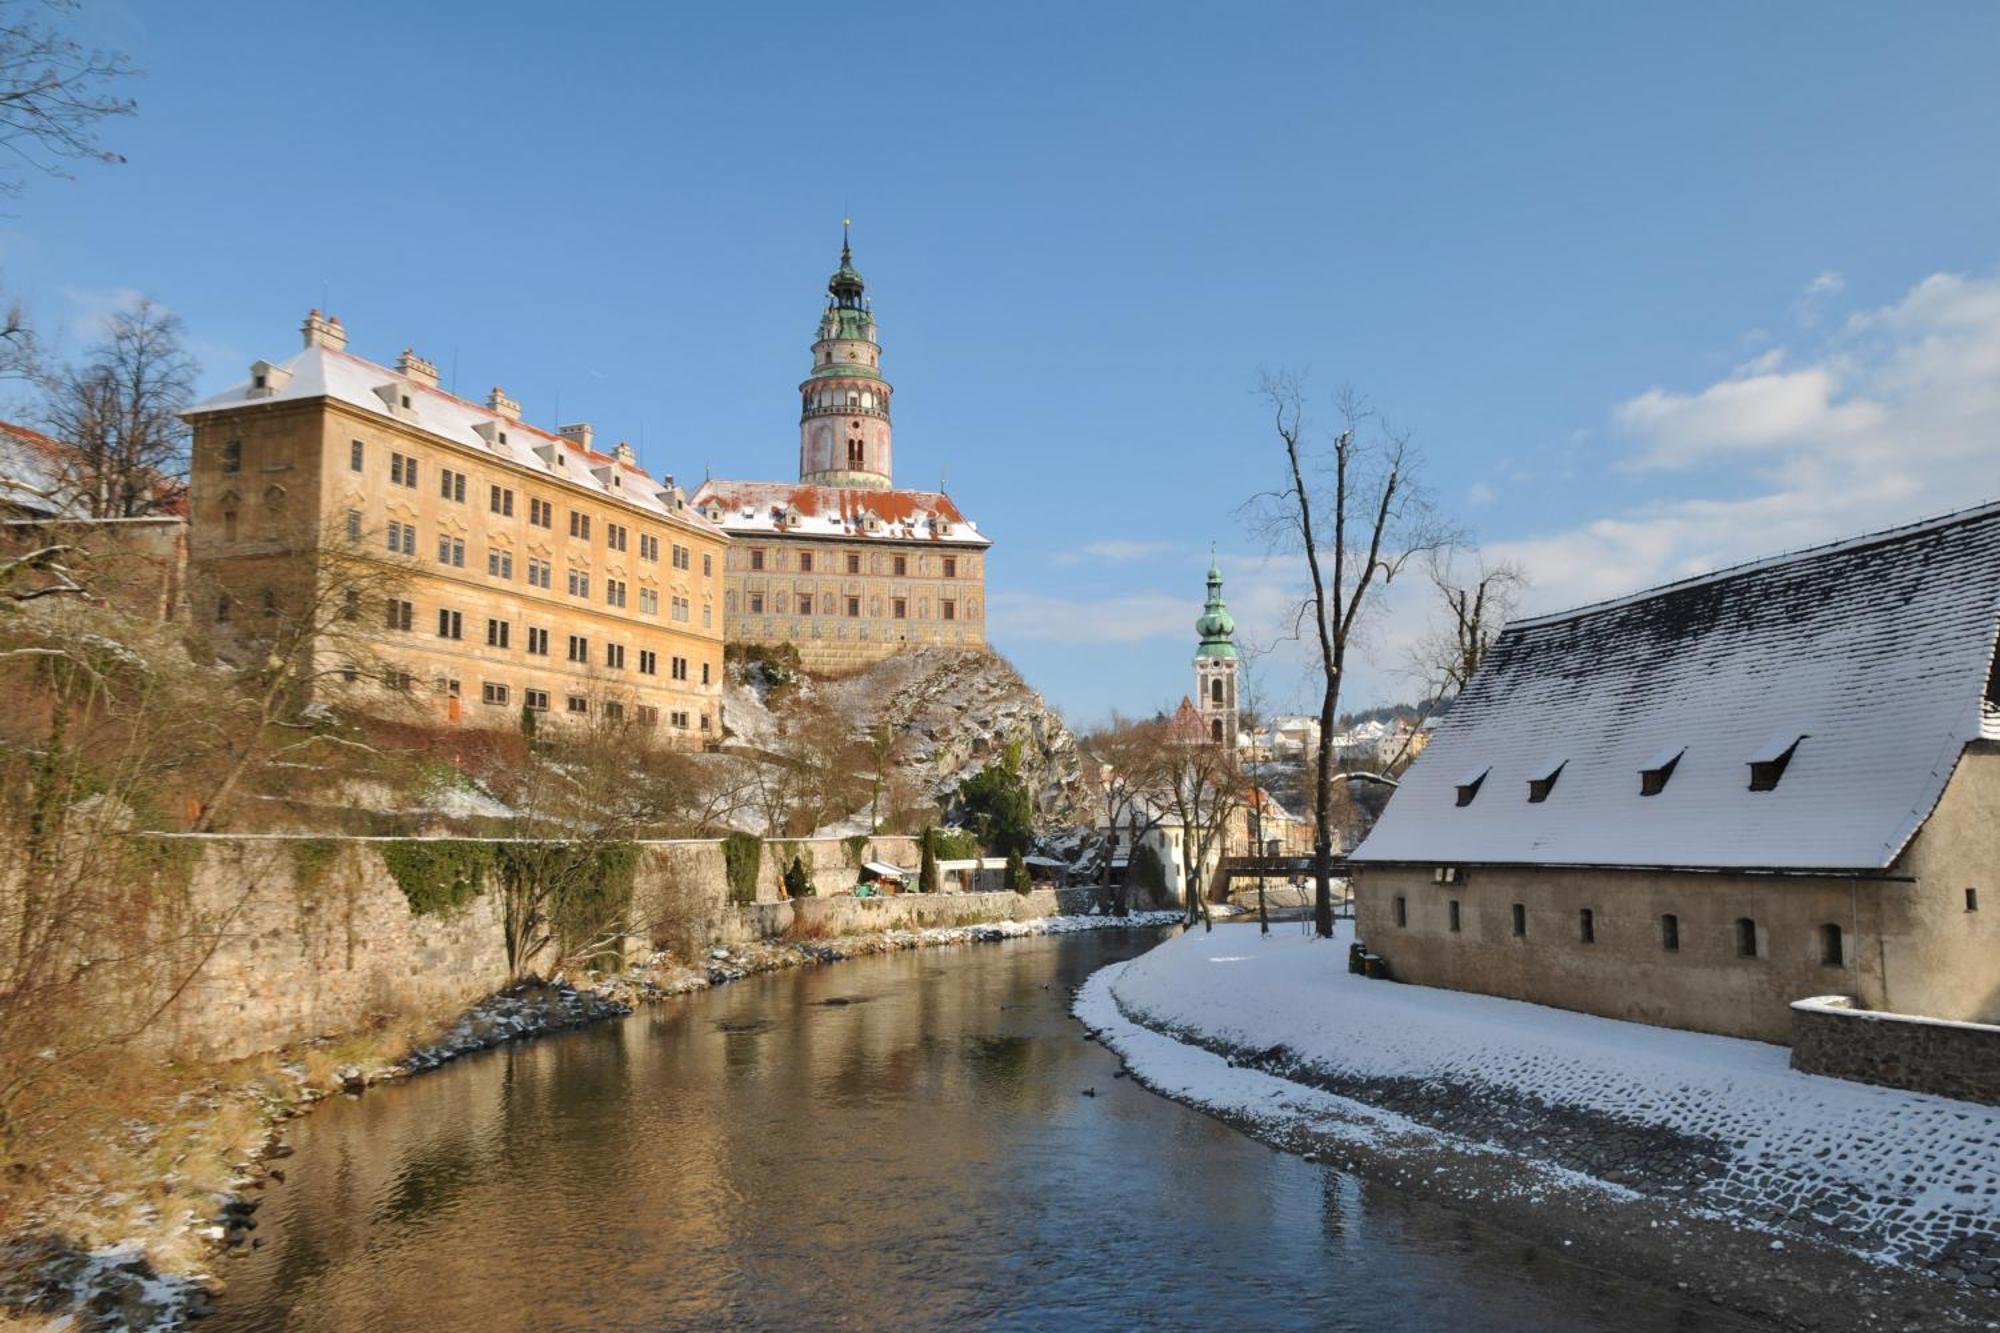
844	430
1216	662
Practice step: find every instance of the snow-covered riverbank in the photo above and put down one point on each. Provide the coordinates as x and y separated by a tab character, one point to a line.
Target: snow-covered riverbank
1492	1102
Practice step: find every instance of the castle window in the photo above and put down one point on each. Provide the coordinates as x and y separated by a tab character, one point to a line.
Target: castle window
853	564
232	456
579	649
1746	937
1586	926
538	642
1468	786
756	603
900	566
1214	727
451	624
1215	690
491	693
805	604
1972	900
756	559
354	525
535	701
853	606
401	614
951	566
578	704
948	609
355	451
1832	951
899	608
805	562
1653	777
1670	933
1768	765
229	525
498	632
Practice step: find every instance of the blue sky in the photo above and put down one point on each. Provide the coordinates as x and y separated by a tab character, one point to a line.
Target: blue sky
1653	287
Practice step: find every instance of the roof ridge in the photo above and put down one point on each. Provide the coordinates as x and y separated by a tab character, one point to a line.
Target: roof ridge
1879	537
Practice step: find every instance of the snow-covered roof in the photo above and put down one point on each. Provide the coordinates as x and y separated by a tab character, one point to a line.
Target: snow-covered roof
31	471
323	371
796	509
1878	652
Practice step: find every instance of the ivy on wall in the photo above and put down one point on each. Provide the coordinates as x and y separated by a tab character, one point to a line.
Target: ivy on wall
438	874
742	853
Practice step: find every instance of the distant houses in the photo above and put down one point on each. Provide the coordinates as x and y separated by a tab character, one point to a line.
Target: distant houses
1696	805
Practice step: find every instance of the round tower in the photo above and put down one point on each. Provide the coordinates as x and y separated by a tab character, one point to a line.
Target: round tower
1216	663
844	416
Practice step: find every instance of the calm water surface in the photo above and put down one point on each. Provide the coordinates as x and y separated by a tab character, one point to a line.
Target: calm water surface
896	1142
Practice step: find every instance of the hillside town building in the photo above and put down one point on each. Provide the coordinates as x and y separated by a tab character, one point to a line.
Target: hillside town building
532	571
1696	805
842	564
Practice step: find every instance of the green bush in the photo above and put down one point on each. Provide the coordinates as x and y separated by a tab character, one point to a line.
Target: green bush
742	853
954	844
998	808
1017	873
798	881
927	870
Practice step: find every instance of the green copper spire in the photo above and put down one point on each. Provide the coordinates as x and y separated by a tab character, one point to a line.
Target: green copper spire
1215	625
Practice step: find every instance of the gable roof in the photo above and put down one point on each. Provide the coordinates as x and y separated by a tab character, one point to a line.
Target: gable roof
1878	652
751	508
321	371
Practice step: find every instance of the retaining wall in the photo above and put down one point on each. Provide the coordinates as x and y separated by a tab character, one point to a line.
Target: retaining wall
287	938
1830	1036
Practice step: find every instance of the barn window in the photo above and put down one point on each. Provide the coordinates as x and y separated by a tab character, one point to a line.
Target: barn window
1653	776
1746	937
1832	952
1468	786
1768	764
1586	926
1402	912
1520	921
1670	933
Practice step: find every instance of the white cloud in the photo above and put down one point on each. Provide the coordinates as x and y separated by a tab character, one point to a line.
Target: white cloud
1480	495
1893	417
1822	291
1116	551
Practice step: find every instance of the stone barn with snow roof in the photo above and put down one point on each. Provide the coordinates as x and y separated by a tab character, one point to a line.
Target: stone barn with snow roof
1696	805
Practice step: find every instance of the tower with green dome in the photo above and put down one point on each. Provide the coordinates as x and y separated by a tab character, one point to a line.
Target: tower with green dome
844	415
1216	662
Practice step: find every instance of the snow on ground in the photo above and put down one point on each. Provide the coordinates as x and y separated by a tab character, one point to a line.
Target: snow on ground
1895	1176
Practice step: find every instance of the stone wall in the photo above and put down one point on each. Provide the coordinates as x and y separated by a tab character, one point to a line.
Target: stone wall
288	938
1830	1036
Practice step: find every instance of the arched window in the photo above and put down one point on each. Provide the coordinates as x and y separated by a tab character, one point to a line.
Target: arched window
1832	951
1215	730
1746	937
1215	689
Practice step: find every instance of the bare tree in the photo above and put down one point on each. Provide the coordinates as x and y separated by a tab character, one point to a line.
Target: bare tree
1130	792
118	417
1476	605
304	624
1358	514
55	93
1205	791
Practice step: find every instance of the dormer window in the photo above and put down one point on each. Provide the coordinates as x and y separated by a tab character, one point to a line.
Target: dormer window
1543	780
1653	776
1768	764
1468	786
260	381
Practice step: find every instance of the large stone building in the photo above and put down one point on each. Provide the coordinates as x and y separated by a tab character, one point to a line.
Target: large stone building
1699	804
523	569
841	563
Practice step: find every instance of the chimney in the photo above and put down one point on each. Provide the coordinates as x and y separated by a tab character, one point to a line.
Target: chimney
500	404
623	453
323	331
412	366
577	433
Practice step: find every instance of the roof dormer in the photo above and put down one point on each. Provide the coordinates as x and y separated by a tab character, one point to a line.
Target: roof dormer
1768	764
1468	786
399	398
266	378
1542	780
494	433
1653	774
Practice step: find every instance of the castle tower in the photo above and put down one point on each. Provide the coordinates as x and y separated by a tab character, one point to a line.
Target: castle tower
844	417
1215	664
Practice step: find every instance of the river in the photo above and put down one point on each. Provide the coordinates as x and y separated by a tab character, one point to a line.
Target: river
902	1141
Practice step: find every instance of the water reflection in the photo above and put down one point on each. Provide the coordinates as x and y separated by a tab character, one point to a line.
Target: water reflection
901	1141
